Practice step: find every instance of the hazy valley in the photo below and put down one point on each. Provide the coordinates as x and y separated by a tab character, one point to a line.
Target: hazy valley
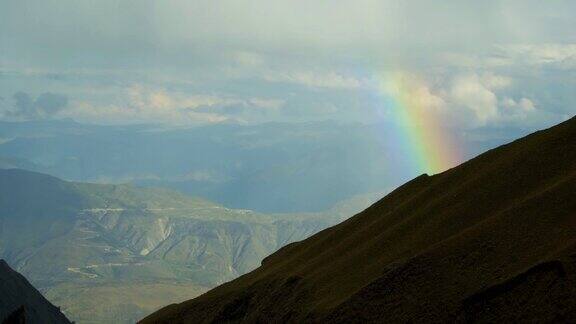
274	167
117	252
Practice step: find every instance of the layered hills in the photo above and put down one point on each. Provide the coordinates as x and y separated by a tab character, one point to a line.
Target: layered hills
492	240
114	253
271	168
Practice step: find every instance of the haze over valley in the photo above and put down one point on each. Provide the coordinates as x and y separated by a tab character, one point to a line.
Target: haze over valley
114	253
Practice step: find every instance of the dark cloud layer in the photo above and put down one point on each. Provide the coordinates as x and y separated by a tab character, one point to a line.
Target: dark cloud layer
44	106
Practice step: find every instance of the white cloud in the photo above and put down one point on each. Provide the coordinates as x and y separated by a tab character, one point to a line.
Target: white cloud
420	95
468	92
248	59
141	104
143	98
542	53
331	80
493	81
117	114
266	103
468	100
560	55
524	104
479	94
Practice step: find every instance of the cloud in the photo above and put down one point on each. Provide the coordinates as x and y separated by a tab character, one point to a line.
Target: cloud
144	98
146	33
44	106
523	104
119	114
330	80
466	101
562	55
480	95
515	56
198	61
471	94
144	104
248	59
265	103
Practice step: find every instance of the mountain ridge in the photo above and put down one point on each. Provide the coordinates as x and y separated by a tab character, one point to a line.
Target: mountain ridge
431	246
114	253
271	168
21	302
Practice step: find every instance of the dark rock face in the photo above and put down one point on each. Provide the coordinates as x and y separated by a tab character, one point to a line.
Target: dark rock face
492	240
543	292
16	317
20	302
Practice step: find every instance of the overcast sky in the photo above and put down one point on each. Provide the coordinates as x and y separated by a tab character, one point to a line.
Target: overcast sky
473	63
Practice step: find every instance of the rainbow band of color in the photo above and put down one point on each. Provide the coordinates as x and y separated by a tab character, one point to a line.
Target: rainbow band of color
428	143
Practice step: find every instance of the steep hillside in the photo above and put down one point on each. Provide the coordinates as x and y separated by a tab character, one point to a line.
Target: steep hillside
114	253
493	239
20	302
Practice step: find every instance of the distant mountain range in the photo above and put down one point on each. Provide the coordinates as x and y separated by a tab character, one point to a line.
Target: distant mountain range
20	302
114	253
491	241
268	168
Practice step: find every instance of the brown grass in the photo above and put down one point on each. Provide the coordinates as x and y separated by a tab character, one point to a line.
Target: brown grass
447	247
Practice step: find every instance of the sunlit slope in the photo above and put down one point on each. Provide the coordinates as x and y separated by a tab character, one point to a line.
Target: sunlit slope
493	239
113	253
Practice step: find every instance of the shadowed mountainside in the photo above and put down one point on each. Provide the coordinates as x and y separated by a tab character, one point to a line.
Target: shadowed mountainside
20	302
493	239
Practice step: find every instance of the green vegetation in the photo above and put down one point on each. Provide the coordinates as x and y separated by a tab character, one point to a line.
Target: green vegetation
119	302
100	251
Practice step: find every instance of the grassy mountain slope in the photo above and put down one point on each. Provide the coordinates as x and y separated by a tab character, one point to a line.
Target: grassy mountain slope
21	302
113	253
493	239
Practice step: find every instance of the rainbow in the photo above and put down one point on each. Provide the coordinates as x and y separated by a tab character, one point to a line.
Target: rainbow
429	145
